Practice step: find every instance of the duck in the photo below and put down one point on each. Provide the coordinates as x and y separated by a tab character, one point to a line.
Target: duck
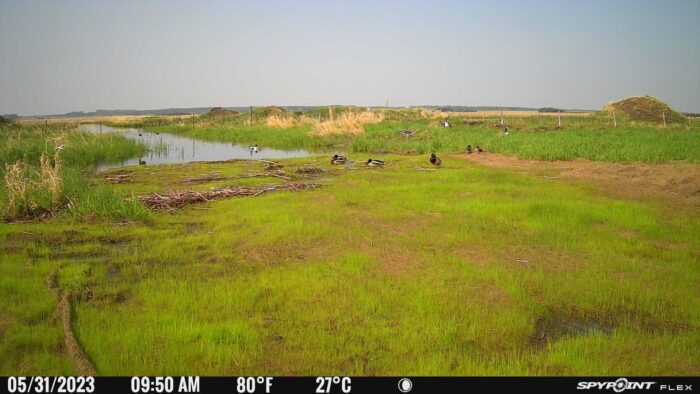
469	149
336	159
140	134
375	163
254	148
434	160
478	149
408	133
142	162
505	131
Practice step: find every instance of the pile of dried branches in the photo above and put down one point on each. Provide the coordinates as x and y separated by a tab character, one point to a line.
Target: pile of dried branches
177	199
119	178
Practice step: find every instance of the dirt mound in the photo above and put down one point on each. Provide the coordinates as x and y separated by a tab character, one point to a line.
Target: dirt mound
271	110
645	109
219	111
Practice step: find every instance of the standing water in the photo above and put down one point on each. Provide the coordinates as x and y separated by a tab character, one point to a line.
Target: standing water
164	148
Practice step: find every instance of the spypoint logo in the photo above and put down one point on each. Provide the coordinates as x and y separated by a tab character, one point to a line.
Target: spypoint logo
617	386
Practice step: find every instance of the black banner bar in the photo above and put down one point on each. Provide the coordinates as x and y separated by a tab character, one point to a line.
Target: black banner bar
344	384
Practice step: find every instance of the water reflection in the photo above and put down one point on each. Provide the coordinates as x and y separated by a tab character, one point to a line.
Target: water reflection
164	148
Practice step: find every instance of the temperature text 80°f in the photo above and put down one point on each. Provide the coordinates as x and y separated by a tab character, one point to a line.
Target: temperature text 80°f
249	384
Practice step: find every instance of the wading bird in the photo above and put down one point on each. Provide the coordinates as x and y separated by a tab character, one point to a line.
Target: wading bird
434	160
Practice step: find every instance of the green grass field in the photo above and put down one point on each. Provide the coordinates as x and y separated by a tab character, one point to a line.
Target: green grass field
464	270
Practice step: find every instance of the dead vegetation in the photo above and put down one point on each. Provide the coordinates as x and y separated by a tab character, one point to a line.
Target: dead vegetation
26	186
178	199
347	122
283	121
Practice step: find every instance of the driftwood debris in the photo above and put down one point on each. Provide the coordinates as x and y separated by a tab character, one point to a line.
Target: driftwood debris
177	199
119	178
309	170
271	165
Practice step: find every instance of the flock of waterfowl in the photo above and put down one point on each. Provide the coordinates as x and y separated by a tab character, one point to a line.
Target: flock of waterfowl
434	159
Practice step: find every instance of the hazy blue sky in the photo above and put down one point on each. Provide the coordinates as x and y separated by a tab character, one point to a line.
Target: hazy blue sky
59	56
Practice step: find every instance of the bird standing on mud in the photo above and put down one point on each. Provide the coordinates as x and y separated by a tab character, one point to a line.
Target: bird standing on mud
375	163
434	160
469	149
478	149
337	159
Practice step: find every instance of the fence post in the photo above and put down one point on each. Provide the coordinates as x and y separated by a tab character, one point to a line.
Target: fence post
614	120
559	113
251	115
664	115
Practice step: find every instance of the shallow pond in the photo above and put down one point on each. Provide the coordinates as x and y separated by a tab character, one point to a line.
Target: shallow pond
164	148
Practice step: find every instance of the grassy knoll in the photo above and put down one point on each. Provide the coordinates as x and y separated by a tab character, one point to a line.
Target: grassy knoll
533	137
464	270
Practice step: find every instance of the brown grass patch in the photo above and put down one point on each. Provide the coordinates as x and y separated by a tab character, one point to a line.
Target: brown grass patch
678	183
348	123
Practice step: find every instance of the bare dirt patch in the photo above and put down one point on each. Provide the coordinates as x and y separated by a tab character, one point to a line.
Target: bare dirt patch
678	183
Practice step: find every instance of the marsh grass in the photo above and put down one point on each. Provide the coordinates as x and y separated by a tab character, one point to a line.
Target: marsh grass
531	136
45	170
16	185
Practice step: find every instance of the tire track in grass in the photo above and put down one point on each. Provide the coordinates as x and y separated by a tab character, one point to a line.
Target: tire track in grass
83	366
